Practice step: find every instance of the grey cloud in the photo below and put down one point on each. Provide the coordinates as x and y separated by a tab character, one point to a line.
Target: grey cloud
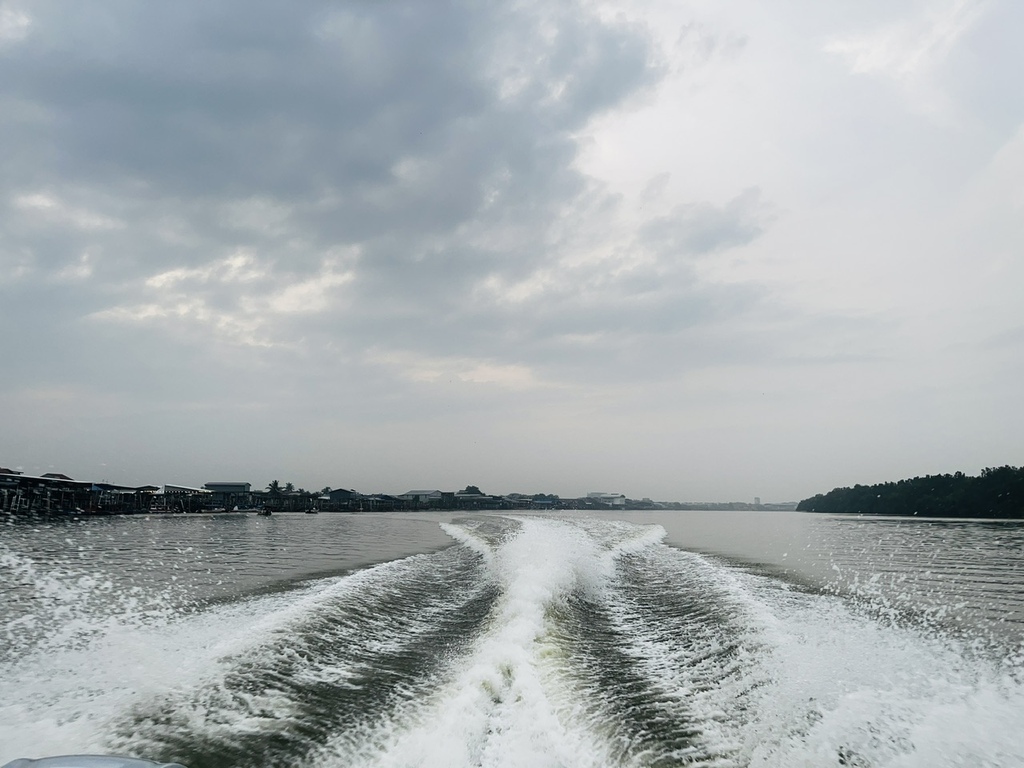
211	98
391	128
201	103
701	228
638	315
432	146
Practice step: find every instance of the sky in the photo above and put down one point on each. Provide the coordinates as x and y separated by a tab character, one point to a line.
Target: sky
685	250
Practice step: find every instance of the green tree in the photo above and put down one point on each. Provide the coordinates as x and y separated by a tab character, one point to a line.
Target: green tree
997	493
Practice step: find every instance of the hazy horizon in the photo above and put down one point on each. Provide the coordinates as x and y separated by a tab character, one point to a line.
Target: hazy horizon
687	251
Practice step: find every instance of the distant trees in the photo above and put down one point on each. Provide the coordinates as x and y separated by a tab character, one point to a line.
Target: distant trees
472	489
996	493
288	498
551	498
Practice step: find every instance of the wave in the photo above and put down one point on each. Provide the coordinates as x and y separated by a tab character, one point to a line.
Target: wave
530	642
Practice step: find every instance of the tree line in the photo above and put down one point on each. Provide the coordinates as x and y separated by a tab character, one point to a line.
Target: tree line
996	493
276	489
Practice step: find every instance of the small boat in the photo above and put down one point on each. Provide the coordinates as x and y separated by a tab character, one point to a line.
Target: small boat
264	513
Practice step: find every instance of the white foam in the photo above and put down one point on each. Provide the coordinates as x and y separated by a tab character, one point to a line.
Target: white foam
842	683
813	681
504	704
63	699
67	692
469	538
820	681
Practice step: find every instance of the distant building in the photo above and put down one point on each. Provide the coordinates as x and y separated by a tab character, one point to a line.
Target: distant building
184	490
757	501
379	502
341	495
482	501
230	495
422	496
229	487
611	499
184	498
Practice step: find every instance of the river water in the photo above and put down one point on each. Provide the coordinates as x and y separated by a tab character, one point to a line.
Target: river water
623	639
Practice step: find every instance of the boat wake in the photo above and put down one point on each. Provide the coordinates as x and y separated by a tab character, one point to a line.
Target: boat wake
530	642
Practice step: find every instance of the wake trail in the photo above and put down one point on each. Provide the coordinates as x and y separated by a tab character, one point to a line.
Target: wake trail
534	641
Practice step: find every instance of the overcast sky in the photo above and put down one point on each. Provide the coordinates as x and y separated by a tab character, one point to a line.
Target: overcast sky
686	250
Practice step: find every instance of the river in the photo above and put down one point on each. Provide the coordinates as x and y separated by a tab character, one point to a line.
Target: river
566	639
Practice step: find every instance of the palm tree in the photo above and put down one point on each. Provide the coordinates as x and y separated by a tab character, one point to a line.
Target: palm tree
289	487
274	487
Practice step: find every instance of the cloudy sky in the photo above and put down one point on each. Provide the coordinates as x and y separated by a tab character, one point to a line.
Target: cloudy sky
693	250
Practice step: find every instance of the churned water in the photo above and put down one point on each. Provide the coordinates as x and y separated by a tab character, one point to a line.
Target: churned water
656	639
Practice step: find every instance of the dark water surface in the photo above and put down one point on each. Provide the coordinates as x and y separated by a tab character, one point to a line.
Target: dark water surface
625	639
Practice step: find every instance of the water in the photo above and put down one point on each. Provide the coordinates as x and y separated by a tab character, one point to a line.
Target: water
632	639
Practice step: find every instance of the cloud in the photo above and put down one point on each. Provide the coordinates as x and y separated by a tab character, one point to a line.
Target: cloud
237	299
240	267
80	270
431	370
388	177
697	45
326	176
313	295
15	24
53	211
908	49
701	228
387	218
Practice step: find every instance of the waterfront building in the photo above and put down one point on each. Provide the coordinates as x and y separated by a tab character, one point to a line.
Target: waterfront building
610	499
230	495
